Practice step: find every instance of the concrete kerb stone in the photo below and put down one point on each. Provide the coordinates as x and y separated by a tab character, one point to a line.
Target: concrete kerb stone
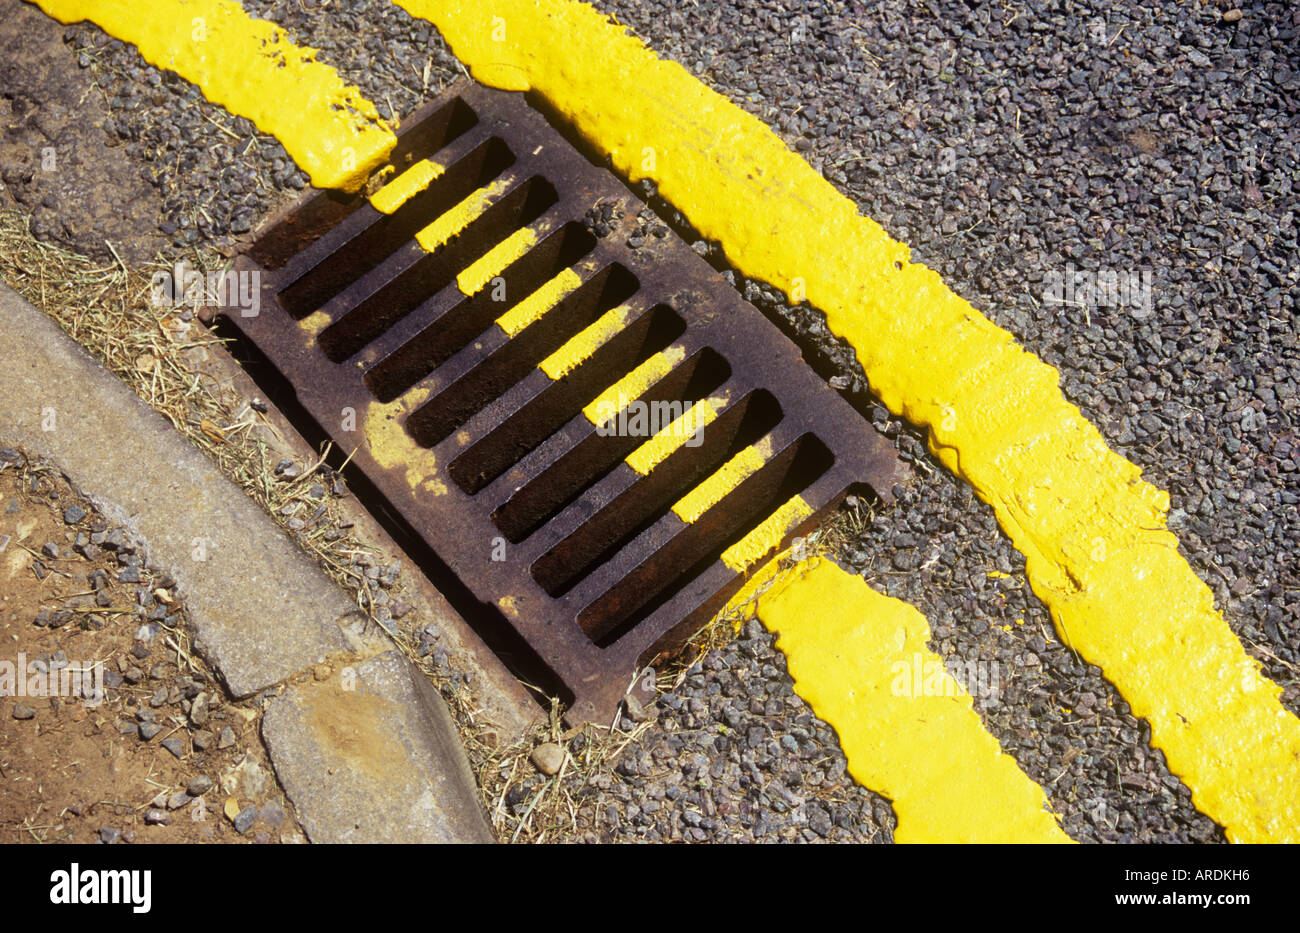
369	755
260	610
506	708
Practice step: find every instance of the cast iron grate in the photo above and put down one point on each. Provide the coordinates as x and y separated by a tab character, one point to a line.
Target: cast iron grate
462	343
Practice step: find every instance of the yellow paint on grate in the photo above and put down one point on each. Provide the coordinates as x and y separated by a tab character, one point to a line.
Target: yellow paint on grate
692	506
406	186
495	261
633	385
579	348
682	431
767	537
532	308
451	224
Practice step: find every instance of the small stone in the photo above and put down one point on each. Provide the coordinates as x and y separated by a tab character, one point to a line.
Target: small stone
548	758
199	710
73	514
244	819
272	813
23	711
109	836
1232	16
178	800
820	822
227	738
635	711
248	779
202	739
156	817
199	785
159	698
149	729
175	746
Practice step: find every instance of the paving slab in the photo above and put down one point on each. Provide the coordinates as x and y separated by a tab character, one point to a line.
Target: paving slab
370	755
261	609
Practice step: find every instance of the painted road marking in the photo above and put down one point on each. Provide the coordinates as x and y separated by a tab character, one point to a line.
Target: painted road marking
1098	552
684	430
453	222
531	309
578	349
252	68
1093	532
691	507
851	652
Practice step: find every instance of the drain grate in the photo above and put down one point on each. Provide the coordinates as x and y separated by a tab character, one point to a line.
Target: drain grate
596	434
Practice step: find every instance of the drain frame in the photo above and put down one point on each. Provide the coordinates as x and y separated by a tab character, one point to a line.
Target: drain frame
594	652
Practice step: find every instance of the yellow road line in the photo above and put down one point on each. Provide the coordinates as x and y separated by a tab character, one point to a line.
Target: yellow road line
918	741
252	68
1093	533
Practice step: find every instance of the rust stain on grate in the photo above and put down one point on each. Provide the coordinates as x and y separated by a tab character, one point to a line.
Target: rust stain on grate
500	369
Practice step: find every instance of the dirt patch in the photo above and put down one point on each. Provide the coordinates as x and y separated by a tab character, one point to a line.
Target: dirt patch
72	176
345	724
110	729
1145	140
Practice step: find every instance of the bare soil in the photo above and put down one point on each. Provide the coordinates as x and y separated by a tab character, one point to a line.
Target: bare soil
72	770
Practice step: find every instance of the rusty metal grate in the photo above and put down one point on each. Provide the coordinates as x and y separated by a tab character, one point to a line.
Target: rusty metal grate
460	342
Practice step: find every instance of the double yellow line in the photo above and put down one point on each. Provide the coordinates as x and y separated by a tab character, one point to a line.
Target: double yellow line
1093	532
